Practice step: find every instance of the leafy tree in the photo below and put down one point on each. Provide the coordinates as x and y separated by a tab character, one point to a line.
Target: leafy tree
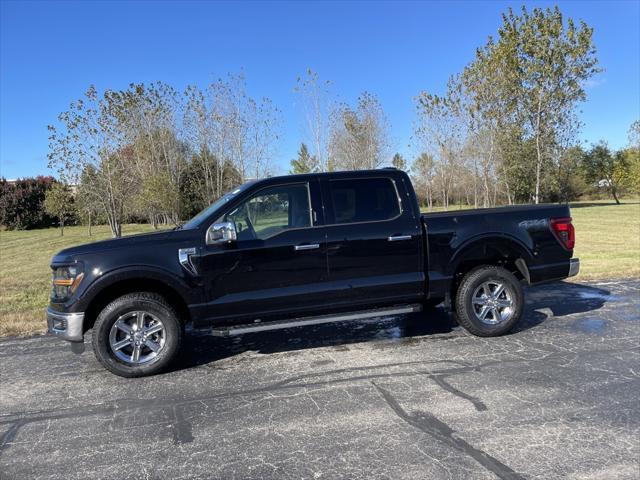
305	163
631	180
567	182
91	136
87	210
628	169
58	203
21	203
550	64
399	162
605	169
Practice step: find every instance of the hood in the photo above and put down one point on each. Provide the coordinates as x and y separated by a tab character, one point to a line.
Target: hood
70	254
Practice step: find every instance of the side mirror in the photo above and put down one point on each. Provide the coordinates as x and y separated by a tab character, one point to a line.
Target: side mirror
223	232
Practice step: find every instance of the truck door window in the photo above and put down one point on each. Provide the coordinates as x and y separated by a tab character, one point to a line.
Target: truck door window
271	211
363	200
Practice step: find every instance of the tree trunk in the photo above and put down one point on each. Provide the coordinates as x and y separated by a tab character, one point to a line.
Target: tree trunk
89	226
538	150
61	228
116	228
615	195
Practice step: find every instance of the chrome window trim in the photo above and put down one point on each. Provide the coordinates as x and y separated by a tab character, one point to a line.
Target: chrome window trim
395	187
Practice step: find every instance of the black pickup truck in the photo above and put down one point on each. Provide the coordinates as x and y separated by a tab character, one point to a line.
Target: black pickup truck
301	250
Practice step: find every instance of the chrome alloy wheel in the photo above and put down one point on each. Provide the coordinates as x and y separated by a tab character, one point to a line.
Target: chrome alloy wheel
137	337
493	302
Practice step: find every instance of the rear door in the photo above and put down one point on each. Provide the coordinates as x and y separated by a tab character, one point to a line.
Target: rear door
373	241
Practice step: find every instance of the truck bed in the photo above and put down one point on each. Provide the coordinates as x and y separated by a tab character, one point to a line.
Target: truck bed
510	232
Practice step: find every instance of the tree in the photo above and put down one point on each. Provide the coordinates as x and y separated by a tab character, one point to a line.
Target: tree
157	196
87	209
148	121
359	137
634	135
489	111
91	137
21	203
605	169
58	203
550	64
399	162
227	126
422	174
631	180
305	163
316	102
440	131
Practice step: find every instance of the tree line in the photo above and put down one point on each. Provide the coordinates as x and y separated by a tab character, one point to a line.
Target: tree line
504	131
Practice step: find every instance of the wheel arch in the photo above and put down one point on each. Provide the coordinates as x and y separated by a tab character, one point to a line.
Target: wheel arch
116	285
499	250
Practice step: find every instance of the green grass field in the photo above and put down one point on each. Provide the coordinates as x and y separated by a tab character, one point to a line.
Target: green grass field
608	244
25	277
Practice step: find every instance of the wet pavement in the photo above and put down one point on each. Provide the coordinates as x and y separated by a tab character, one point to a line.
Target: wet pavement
399	398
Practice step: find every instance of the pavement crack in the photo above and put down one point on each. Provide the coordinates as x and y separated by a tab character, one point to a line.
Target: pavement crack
10	434
439	430
477	403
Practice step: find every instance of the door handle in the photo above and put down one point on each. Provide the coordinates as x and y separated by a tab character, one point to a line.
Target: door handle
399	238
310	246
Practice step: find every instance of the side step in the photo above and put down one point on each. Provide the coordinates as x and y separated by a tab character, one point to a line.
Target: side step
301	322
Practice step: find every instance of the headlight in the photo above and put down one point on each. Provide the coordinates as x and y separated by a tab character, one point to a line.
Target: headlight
66	281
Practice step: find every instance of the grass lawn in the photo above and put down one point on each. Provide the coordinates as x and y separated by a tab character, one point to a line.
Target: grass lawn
25	276
607	239
607	242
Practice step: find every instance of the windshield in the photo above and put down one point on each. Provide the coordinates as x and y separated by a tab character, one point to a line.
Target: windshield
196	221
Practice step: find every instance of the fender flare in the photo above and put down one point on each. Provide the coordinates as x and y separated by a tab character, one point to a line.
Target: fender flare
134	272
481	241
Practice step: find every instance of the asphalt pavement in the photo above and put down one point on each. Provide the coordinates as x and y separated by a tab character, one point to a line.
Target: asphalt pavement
406	397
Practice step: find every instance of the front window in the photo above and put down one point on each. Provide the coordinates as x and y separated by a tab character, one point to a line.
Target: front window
272	211
196	221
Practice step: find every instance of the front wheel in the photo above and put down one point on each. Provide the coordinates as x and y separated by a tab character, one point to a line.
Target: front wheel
489	301
136	335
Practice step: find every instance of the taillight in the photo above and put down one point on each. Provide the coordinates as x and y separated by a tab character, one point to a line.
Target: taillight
564	231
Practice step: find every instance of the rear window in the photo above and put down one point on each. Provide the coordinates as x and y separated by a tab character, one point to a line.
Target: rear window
363	200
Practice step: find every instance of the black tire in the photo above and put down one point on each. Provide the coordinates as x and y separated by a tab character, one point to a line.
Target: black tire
155	306
468	313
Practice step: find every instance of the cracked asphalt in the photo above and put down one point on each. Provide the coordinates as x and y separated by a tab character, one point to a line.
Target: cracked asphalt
400	398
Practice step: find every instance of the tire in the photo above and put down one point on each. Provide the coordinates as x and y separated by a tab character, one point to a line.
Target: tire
158	340
476	298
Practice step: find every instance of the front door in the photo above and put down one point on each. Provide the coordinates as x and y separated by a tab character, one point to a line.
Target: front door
277	265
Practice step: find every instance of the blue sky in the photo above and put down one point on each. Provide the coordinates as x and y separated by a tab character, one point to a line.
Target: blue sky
51	51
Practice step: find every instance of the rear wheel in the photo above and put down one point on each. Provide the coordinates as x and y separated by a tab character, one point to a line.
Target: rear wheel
137	334
489	301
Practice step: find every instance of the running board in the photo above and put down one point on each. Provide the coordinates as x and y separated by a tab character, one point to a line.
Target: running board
302	322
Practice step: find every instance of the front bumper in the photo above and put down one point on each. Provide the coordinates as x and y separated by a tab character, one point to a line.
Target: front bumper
574	267
67	326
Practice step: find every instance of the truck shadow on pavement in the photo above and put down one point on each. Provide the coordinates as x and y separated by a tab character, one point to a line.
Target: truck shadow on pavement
544	303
